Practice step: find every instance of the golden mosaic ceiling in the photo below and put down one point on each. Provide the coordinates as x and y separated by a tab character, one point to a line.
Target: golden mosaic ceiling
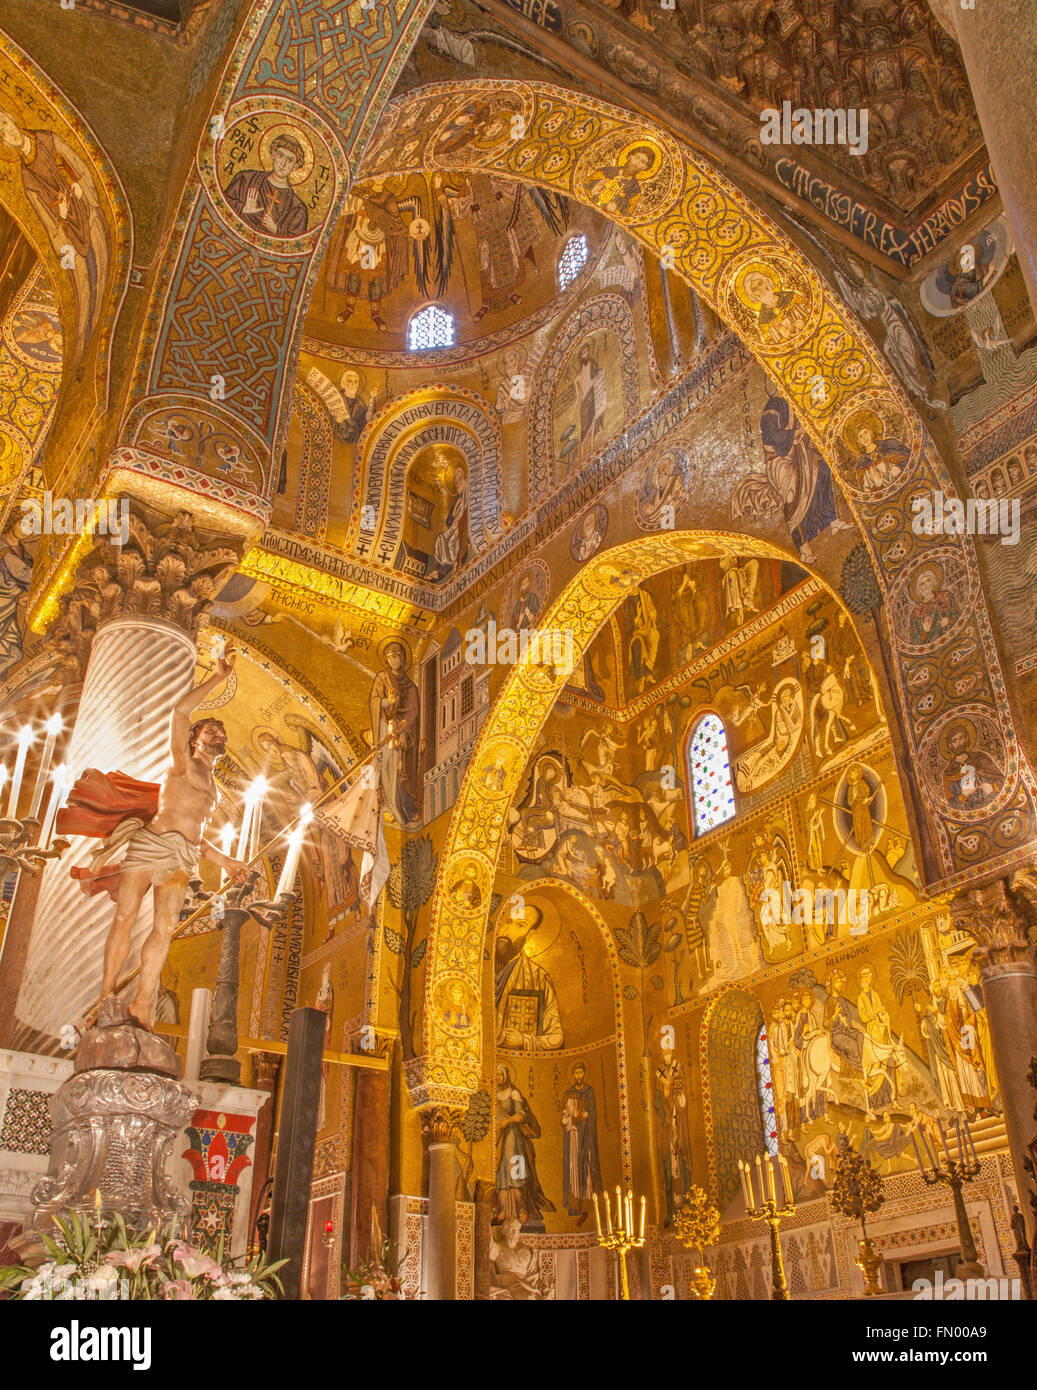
484	249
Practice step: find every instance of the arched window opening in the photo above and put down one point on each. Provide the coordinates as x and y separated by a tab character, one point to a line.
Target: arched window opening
572	260
709	776
431	327
765	1090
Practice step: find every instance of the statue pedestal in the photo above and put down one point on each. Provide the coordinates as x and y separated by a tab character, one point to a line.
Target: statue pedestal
114	1123
113	1132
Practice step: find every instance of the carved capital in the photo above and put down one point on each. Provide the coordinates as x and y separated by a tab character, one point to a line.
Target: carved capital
997	917
168	568
266	1065
440	1124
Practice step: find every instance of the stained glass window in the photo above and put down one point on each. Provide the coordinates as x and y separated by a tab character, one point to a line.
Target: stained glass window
765	1090
712	796
431	327
572	260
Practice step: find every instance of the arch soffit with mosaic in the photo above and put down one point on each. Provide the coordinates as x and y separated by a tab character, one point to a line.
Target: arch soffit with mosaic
819	356
450	1067
35	103
431	414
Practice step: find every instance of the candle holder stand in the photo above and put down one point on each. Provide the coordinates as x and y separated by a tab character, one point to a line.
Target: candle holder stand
770	1209
231	909
621	1237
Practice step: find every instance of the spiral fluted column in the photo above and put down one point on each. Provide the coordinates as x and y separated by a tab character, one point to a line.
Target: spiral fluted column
138	666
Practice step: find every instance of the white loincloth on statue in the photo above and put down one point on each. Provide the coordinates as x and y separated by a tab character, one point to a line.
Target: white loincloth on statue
164	853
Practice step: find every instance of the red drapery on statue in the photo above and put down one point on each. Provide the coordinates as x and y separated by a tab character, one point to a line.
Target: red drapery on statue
97	803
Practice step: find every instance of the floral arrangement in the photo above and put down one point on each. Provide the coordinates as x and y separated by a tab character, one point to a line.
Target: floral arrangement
379	1277
101	1259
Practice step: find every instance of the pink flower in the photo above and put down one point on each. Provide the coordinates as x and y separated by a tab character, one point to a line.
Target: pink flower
133	1259
178	1288
195	1264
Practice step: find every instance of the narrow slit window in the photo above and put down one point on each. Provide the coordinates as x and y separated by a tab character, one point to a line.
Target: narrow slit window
765	1090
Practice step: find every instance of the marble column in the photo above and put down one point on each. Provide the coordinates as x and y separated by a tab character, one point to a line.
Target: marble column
141	604
994	916
998	41
440	1253
138	666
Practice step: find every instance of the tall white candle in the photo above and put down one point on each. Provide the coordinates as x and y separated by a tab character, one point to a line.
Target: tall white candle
226	840
743	1174
246	826
257	822
291	863
24	742
58	797
53	727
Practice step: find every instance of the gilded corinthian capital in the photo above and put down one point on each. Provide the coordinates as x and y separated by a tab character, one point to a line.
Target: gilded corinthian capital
440	1124
1000	918
168	568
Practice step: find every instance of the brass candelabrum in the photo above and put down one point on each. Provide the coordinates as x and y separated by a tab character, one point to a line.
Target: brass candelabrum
954	1173
771	1177
22	846
620	1236
231	909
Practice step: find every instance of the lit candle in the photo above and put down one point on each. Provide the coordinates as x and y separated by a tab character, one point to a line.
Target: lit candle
972	1144
597	1213
918	1151
58	796
257	817
630	1215
329	1226
768	1163
787	1180
961	1148
743	1173
53	726
943	1140
246	826
608	1212
642	1216
930	1152
226	838
291	863
759	1174
24	741
619	1211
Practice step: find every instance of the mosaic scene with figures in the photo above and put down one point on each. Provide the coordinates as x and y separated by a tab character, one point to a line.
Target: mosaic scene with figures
518	659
